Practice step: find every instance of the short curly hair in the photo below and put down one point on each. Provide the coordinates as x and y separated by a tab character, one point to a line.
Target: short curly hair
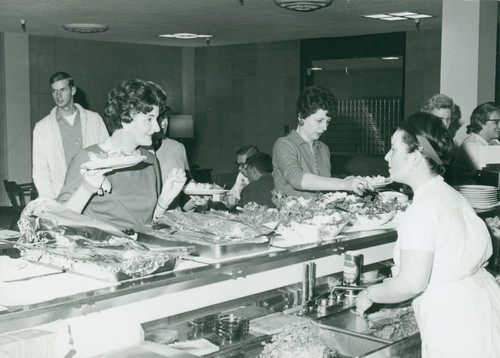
314	98
437	101
480	115
129	97
432	128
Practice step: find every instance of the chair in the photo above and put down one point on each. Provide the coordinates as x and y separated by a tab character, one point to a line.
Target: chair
17	194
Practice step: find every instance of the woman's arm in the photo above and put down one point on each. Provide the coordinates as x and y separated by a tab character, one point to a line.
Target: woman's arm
413	278
315	182
286	158
171	188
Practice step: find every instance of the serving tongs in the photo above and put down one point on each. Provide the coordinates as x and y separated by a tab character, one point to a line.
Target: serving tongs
371	193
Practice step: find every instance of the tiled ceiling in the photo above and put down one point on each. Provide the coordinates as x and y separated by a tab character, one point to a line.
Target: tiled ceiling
140	21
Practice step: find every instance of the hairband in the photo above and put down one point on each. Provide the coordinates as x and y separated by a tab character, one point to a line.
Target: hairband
426	148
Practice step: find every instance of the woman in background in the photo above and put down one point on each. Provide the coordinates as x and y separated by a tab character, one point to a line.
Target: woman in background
301	162
440	252
483	129
443	107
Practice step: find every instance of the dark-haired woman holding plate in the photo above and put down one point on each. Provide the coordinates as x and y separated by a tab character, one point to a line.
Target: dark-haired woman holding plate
134	195
441	251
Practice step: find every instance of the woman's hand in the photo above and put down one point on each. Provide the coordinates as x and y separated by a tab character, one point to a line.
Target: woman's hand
172	186
196	201
362	303
94	180
357	184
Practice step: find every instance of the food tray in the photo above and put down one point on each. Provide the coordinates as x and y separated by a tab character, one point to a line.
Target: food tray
110	273
221	251
203	247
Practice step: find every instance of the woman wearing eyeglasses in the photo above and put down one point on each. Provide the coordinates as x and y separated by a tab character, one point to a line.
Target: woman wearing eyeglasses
301	162
483	128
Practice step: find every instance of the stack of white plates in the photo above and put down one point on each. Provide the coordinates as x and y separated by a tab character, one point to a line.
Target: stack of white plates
480	196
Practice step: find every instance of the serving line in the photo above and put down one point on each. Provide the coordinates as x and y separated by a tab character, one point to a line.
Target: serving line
151	298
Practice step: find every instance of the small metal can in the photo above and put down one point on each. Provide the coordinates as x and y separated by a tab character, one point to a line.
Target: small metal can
353	263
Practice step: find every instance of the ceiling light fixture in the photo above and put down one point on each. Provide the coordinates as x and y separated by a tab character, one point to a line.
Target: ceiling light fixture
303	5
397	16
390	58
85	28
186	36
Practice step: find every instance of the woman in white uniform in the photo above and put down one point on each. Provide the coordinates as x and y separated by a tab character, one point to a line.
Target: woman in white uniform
440	253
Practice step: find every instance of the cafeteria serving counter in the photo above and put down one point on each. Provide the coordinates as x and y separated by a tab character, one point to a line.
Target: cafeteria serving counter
110	318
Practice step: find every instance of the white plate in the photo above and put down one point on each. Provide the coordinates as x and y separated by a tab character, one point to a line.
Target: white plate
381	185
479	193
483	207
113	163
475	187
205	191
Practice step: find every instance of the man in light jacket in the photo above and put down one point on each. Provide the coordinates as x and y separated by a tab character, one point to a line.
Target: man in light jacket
58	137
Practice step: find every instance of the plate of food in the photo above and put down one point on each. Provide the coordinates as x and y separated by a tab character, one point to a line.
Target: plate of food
112	160
378	181
194	188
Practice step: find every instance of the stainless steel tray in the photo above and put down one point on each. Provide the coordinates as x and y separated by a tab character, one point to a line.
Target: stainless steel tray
88	268
213	250
221	251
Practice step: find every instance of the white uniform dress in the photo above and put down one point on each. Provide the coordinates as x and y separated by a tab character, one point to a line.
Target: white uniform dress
459	312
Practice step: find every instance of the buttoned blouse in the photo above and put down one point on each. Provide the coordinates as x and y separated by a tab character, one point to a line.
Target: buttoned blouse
293	157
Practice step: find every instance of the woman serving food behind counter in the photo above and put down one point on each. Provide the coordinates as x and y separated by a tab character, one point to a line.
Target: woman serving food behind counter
301	162
440	252
133	195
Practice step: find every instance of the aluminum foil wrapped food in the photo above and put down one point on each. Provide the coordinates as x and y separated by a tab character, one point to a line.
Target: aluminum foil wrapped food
212	227
54	235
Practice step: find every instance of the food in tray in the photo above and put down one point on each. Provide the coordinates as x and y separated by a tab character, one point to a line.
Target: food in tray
299	340
115	159
314	218
313	210
393	324
255	214
211	227
494	226
89	250
162	336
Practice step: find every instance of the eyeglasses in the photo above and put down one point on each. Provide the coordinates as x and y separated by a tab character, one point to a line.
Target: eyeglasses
240	164
497	121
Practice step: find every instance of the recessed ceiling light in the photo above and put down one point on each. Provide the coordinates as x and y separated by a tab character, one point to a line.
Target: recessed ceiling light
316	68
419	16
85	28
390	58
405	13
186	36
303	5
377	16
396	16
393	18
